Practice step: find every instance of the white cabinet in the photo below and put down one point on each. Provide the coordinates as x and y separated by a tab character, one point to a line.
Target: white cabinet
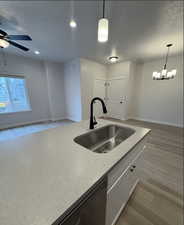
120	191
119	194
123	164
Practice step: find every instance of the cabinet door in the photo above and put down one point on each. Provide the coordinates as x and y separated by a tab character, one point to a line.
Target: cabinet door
138	163
119	194
91	211
130	158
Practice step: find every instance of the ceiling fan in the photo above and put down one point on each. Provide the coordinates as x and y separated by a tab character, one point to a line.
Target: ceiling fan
6	40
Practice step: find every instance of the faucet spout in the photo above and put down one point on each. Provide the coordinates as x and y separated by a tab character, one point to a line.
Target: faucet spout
92	122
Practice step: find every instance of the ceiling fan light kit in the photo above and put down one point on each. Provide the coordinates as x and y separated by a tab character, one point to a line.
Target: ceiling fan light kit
103	27
37	52
4	43
6	40
165	74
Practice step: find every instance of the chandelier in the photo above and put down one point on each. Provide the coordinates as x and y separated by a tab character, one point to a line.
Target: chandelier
165	74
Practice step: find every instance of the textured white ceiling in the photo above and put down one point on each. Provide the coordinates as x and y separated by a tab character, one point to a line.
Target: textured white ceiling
139	30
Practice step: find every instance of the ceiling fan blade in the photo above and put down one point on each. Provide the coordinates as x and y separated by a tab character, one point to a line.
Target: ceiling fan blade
3	32
19	37
18	46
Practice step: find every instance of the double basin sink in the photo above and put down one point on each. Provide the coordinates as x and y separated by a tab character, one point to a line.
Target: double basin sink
104	139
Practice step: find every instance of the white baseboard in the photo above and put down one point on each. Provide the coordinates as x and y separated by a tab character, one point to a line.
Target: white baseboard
156	121
58	118
23	124
73	119
31	123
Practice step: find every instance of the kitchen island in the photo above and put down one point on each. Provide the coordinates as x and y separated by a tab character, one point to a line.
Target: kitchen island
44	175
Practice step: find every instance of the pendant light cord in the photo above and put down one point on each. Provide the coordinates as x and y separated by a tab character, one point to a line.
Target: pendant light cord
103	8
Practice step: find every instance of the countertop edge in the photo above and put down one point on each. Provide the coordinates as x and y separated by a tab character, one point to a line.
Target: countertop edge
83	196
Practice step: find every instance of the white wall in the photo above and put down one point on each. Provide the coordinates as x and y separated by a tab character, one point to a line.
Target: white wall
133	68
150	100
45	84
55	79
118	69
90	71
58	91
72	85
36	82
159	101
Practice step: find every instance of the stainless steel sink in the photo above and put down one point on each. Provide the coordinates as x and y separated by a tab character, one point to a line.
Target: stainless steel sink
104	139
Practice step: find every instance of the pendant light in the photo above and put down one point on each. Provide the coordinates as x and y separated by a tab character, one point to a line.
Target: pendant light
165	74
103	27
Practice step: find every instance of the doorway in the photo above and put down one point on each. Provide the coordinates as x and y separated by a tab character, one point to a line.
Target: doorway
114	92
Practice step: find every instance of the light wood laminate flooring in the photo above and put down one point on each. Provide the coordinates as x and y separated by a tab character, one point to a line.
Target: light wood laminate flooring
158	198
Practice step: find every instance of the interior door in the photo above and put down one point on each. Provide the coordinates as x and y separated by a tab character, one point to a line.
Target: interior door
117	97
99	91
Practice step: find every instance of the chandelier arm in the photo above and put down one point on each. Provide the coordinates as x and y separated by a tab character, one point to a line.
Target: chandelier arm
166	60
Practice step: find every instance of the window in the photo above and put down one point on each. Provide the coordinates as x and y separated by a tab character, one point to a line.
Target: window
13	94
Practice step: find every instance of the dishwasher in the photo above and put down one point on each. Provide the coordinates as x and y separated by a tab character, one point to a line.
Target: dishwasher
91	210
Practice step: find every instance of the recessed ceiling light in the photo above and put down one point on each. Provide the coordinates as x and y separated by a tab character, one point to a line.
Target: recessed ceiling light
37	52
73	24
113	59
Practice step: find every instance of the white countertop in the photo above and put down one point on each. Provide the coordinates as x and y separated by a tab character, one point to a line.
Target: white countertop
43	174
